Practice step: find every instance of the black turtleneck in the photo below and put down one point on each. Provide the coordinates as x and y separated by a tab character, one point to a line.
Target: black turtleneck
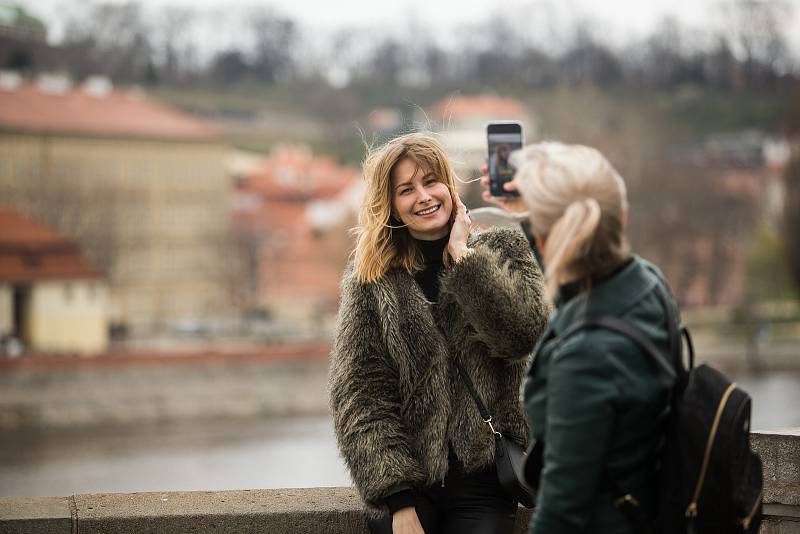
428	277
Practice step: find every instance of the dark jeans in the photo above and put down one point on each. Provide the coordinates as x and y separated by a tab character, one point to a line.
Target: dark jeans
466	504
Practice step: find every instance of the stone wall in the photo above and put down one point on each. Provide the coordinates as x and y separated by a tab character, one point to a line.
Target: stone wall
314	510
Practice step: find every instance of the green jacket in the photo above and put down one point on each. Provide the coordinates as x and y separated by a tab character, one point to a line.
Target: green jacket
597	403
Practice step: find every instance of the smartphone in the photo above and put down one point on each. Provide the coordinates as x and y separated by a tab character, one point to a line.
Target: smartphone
503	137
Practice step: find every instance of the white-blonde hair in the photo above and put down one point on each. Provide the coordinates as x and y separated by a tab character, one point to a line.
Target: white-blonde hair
578	202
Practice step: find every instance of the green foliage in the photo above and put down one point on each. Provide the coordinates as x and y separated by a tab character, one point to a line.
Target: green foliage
587	114
704	112
768	277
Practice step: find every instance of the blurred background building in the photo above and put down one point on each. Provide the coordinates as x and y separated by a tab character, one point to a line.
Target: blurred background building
292	214
140	184
51	298
178	183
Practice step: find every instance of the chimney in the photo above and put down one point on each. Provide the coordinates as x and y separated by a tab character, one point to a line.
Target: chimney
97	86
53	84
10	80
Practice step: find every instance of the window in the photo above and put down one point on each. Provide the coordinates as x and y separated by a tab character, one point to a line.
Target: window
69	292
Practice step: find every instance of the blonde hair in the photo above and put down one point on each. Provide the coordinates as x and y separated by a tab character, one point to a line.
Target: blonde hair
382	241
578	201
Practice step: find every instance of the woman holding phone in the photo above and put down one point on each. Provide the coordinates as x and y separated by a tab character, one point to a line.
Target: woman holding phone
595	402
421	293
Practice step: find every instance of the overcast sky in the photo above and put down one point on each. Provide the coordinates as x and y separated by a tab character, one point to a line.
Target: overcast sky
619	20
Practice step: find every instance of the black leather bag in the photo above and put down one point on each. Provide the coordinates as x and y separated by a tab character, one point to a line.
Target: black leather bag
510	461
509	458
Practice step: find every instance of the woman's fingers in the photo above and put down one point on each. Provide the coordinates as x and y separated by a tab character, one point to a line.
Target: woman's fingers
497	201
459	205
465	211
511	186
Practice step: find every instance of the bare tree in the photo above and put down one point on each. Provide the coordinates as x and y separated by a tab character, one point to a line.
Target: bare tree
275	38
229	67
173	31
111	39
755	31
386	62
240	247
791	212
90	214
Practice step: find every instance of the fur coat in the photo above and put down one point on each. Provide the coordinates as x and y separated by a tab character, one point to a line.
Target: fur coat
396	397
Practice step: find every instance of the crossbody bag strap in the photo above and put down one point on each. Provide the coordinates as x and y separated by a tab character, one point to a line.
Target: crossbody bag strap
485	414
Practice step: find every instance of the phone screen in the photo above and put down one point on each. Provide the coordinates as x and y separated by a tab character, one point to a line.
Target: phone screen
503	138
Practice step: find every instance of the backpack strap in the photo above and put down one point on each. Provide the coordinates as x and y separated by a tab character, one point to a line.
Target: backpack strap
616	324
670	366
676	328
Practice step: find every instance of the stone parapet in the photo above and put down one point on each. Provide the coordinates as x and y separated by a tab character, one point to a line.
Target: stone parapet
315	510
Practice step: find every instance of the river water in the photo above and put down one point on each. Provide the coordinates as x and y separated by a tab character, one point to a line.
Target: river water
238	454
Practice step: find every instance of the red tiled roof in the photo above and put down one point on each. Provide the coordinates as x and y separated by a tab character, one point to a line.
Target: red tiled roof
294	261
294	173
18	230
31	251
460	107
119	113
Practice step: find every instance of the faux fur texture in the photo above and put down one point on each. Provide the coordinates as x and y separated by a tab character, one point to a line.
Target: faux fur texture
395	394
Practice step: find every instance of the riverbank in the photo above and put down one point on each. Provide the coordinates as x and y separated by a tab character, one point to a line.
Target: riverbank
130	389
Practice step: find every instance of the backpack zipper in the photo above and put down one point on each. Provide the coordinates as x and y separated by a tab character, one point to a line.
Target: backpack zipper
745	521
691	510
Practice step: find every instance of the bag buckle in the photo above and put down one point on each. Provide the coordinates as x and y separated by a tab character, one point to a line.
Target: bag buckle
626	499
491	427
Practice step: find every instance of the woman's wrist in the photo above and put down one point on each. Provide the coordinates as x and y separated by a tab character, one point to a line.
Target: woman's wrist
405	511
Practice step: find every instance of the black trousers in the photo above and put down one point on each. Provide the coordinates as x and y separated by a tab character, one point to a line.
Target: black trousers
465	504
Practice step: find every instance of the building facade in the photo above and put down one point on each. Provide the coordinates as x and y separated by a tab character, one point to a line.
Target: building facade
51	298
297	215
142	186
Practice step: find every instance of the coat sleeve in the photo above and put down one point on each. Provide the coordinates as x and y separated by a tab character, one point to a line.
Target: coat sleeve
579	421
500	289
364	401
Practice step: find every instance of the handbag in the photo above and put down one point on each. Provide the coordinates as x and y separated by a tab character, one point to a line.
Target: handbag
509	458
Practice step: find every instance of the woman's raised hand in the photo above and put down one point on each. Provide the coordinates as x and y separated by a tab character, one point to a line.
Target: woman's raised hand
406	521
512	204
459	233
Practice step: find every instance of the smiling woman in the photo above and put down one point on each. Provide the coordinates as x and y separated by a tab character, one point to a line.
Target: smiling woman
421	200
422	294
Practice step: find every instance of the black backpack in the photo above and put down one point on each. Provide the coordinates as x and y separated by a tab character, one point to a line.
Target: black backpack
710	479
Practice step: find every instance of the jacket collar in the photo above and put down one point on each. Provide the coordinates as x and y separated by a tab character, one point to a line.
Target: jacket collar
610	296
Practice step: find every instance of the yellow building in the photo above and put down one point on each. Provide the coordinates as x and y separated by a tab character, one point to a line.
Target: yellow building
51	298
142	186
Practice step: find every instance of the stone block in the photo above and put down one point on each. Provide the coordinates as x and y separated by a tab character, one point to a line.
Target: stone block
35	515
780	454
299	511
